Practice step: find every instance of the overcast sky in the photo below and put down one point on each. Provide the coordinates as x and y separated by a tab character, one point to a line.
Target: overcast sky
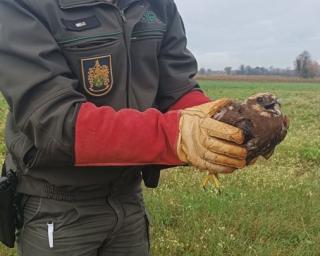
253	32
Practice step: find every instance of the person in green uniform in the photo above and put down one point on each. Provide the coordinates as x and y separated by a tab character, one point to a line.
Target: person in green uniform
101	95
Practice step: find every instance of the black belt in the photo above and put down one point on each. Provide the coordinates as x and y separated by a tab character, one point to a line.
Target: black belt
35	187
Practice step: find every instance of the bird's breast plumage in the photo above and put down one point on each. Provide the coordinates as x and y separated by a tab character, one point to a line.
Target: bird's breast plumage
263	128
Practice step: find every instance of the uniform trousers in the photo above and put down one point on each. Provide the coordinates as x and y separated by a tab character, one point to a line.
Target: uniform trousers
109	226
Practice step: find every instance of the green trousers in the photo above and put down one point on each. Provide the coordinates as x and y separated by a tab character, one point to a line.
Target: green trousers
111	226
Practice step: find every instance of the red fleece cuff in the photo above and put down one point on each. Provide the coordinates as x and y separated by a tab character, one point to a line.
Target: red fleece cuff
104	137
191	99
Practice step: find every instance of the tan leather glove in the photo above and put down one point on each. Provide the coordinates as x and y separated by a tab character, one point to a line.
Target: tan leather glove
209	144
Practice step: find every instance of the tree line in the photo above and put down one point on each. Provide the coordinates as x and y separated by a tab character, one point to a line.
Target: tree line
304	67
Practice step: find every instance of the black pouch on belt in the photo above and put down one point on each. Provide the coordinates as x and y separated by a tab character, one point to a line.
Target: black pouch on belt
151	174
8	182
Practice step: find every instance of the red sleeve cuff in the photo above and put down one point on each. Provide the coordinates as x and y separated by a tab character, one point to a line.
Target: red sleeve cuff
191	99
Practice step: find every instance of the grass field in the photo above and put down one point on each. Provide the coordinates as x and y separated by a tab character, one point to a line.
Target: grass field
271	208
258	78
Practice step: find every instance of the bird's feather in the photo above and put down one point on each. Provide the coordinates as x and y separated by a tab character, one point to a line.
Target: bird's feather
261	120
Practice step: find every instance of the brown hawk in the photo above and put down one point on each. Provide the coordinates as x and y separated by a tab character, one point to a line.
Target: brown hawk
263	124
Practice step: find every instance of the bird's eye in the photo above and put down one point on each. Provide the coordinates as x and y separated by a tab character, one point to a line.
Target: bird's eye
259	99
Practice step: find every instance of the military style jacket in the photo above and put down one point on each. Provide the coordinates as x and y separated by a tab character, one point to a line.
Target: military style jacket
57	54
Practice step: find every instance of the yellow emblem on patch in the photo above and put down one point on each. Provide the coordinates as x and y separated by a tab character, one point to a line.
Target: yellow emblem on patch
97	75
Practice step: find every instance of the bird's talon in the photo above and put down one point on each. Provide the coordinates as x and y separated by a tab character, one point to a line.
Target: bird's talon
205	182
214	181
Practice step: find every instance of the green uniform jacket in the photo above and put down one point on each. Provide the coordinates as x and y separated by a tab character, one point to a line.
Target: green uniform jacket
52	55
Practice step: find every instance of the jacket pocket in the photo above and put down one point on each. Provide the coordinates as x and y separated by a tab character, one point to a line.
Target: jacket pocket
31	206
18	146
87	43
94	61
147	34
145	50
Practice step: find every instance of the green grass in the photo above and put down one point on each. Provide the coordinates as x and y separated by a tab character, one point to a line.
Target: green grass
271	208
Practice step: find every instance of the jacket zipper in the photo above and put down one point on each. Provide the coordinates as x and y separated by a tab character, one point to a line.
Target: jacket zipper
74	40
121	14
124	21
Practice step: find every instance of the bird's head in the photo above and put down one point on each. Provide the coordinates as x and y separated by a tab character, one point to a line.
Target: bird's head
265	103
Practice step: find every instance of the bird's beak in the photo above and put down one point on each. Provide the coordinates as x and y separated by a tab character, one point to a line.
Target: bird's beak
271	105
279	101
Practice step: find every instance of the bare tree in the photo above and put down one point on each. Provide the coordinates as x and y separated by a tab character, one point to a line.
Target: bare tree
228	70
304	65
202	71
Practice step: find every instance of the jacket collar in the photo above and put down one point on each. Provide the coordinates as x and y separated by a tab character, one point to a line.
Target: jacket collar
66	4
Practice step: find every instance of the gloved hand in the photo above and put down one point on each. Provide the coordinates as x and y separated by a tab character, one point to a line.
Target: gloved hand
209	144
105	137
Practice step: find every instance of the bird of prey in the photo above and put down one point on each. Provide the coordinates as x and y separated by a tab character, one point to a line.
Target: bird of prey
262	122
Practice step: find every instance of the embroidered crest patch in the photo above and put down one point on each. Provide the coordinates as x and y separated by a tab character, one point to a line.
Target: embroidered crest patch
149	17
97	76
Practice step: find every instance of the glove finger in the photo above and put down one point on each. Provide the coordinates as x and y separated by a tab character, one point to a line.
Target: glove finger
222	130
210	108
218	105
225	148
215	168
223	169
215	158
204	166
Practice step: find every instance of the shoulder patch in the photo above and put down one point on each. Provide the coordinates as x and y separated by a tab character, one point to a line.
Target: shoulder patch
97	75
